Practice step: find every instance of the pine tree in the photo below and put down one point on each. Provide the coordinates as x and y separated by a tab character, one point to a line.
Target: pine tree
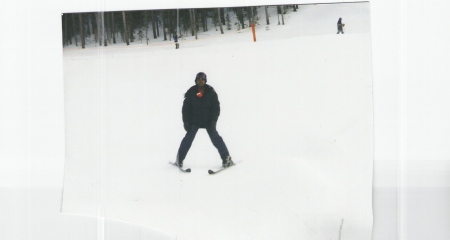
254	15
216	20
238	25
240	17
228	21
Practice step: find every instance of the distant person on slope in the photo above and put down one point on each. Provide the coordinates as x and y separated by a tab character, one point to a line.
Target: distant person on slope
175	39
201	109
340	26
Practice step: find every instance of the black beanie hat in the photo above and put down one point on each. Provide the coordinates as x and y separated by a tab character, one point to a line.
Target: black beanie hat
201	75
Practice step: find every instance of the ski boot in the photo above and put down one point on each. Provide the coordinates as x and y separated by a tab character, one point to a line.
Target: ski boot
227	162
179	162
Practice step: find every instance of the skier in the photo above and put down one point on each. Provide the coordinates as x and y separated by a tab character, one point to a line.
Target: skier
201	109
175	38
340	26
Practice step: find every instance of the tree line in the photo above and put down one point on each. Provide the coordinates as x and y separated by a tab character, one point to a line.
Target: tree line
128	26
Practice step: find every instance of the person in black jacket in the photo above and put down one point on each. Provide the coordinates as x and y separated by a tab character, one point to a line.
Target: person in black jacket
175	39
201	109
340	26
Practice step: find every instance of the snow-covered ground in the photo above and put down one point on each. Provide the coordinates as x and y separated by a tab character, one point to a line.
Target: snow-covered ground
296	110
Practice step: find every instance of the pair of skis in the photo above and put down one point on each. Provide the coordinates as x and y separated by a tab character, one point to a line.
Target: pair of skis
188	170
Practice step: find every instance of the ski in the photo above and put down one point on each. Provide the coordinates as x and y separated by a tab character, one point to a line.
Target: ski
181	169
211	172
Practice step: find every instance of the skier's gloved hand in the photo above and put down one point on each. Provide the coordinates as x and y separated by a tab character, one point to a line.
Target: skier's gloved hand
186	126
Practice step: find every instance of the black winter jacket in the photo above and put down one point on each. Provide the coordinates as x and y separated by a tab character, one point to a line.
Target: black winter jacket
339	24
203	110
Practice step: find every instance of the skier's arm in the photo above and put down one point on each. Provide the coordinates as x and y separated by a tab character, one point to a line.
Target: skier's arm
186	110
215	108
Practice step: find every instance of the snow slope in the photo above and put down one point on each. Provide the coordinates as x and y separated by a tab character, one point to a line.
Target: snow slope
296	109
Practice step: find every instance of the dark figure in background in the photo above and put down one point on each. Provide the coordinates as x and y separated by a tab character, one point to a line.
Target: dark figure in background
201	109
340	26
175	39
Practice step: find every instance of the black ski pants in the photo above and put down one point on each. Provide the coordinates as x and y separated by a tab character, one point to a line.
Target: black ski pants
216	140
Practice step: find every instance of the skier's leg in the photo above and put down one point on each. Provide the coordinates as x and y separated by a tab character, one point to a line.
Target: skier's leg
218	142
186	143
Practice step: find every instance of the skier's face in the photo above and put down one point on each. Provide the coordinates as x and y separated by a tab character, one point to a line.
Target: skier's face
200	82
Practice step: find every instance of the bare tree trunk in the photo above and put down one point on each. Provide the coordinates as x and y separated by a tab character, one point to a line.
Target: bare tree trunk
113	30
195	24
104	35
74	32
242	17
278	14
69	33
157	25
205	19
249	14
178	25
130	31
89	23
116	29
108	28
220	22
253	16
99	29
153	25
66	31
282	14
95	33
163	25
192	21
146	25
168	24
222	10
267	16
81	31
125	28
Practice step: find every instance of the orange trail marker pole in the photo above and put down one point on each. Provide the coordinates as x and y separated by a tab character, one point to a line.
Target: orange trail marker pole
253	30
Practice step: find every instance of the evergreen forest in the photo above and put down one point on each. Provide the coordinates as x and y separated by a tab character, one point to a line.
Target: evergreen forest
107	28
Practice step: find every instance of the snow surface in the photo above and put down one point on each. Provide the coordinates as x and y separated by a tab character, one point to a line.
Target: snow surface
303	130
